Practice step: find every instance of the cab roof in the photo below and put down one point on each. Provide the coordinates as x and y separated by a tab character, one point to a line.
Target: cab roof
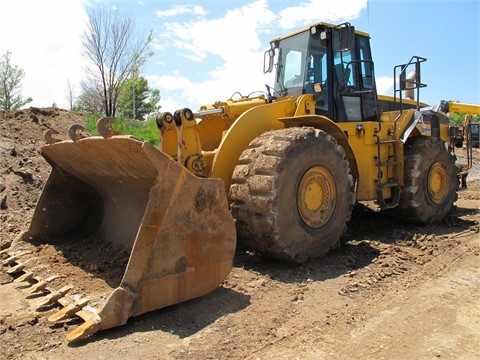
323	24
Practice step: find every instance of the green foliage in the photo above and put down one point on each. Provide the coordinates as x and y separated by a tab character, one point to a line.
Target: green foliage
91	124
144	130
458	119
10	84
135	95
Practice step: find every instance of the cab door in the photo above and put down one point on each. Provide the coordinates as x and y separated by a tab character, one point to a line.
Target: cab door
353	80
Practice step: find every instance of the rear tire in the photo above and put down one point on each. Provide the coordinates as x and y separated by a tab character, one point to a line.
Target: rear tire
430	181
292	194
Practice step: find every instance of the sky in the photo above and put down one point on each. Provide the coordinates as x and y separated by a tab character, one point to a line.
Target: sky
207	51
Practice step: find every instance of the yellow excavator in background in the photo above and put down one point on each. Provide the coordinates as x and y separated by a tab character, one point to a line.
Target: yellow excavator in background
469	132
279	170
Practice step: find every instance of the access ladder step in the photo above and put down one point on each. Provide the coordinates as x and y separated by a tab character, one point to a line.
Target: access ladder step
388	163
387	185
393	141
394	199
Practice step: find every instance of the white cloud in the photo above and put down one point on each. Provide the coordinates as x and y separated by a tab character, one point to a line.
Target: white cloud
312	11
182	9
234	38
231	35
49	51
384	84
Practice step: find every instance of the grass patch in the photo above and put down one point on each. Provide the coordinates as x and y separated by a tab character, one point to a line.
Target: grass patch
144	130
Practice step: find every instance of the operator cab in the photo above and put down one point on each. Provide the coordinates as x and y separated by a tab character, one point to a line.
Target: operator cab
334	63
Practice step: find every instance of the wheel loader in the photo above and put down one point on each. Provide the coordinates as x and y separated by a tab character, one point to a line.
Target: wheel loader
279	170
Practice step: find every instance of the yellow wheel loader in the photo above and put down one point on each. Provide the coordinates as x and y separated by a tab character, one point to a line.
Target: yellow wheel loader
279	170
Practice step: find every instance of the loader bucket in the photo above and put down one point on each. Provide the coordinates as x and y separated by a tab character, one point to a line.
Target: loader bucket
106	195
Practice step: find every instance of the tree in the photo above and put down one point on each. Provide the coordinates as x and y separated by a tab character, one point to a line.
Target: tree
71	94
459	119
114	53
154	100
90	99
10	84
456	119
136	97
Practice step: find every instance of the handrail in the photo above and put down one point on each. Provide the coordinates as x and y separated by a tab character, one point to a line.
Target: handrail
405	83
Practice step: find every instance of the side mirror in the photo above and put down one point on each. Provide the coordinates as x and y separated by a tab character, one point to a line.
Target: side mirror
347	37
268	61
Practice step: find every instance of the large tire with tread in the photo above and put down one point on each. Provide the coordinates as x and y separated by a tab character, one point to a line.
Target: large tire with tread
292	194
431	181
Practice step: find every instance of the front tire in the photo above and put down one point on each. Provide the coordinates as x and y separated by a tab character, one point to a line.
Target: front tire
430	181
292	194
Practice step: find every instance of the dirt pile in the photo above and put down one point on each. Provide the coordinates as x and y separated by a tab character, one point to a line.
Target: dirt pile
23	171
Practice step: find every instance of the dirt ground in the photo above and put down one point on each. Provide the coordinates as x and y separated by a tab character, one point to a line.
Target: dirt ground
393	291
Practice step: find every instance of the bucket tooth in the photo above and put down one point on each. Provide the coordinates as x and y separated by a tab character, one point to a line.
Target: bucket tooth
86	329
49	138
55	296
90	326
76	132
16	269
10	260
104	127
13	258
69	310
28	276
42	285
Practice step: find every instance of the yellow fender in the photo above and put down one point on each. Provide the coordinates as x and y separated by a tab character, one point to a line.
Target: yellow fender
247	127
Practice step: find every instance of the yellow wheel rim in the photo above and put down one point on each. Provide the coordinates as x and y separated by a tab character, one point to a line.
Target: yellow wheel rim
438	183
316	197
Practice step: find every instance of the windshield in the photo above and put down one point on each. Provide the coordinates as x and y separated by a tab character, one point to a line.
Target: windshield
301	64
290	66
